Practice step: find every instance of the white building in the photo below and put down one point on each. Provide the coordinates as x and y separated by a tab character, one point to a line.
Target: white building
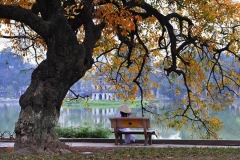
102	90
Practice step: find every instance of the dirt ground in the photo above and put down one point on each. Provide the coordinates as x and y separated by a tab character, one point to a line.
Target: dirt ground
8	150
92	149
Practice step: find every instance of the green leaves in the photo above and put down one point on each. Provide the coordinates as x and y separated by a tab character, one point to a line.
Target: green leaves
86	131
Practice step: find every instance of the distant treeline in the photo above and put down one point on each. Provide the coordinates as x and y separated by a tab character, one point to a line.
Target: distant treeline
15	75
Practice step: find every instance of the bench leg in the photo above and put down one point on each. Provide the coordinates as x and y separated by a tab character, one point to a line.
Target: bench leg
121	140
116	139
146	140
150	139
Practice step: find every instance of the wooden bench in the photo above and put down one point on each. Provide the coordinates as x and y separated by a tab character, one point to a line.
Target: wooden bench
135	122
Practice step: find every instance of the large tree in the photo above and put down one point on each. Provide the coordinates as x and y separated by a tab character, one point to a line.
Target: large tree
129	41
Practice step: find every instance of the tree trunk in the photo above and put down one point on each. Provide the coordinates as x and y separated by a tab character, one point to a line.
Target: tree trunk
40	105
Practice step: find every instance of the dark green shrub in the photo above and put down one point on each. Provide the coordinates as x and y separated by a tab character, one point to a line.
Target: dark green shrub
86	131
83	132
100	132
65	132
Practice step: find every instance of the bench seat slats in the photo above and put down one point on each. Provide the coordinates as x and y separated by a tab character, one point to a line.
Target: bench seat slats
129	122
136	132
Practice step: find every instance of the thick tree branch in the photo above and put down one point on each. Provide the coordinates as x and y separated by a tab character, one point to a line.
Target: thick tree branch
26	16
47	8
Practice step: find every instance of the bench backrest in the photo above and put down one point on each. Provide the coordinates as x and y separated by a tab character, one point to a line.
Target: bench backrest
130	122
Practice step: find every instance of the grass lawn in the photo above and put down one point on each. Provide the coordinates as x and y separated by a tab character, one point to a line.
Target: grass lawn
98	104
142	154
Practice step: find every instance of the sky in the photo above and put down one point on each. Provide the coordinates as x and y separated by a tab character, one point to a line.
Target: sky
4	43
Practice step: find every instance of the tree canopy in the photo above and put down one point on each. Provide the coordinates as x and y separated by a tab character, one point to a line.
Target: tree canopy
191	44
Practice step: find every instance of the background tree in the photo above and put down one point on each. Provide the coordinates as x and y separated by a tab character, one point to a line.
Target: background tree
15	74
128	40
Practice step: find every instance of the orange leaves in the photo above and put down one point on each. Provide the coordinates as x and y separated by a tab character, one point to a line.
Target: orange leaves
155	85
73	10
6	21
124	32
116	17
138	18
216	106
23	3
213	27
127	25
9	150
215	123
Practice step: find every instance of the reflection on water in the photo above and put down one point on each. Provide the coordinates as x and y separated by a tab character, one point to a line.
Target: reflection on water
78	116
73	117
9	113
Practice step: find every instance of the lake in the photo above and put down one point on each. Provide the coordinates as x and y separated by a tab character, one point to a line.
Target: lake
73	117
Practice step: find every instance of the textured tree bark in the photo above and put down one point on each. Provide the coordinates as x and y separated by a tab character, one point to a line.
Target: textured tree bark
66	62
40	105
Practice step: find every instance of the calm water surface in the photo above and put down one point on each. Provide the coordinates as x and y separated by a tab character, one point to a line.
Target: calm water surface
74	117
